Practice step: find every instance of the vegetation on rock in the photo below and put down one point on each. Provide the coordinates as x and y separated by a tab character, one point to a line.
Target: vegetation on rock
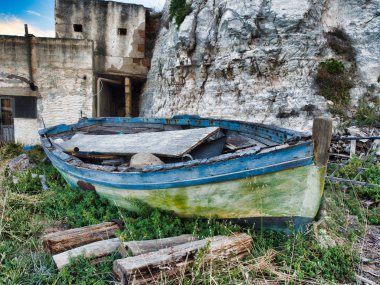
340	43
334	84
178	11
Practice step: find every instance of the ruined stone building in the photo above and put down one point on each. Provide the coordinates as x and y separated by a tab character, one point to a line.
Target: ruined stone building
95	66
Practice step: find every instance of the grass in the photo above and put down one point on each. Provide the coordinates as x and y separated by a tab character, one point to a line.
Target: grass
334	84
27	211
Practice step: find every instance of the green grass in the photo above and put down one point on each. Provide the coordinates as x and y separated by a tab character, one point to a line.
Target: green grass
26	211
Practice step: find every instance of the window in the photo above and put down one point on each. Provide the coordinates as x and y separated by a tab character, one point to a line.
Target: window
122	31
78	28
25	107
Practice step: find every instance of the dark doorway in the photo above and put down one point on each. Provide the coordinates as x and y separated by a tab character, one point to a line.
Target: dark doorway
111	98
6	119
118	96
136	90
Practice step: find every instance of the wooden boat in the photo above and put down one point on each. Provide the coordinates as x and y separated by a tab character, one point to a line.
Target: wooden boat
230	170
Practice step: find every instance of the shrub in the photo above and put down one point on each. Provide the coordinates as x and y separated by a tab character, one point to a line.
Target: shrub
367	116
333	66
334	83
340	42
378	79
178	10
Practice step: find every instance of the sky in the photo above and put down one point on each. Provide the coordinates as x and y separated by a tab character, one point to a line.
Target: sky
39	15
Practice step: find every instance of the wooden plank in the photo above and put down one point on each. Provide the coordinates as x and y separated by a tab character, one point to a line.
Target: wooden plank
93	251
170	143
64	240
322	132
174	262
145	246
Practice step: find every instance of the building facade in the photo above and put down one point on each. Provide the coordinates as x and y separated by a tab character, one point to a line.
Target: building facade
95	66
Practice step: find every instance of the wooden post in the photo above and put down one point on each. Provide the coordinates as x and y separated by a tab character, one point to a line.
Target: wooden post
128	97
322	132
352	148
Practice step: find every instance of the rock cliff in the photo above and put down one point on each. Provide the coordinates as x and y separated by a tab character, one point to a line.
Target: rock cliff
256	60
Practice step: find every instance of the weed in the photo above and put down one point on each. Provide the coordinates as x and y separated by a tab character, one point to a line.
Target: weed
9	150
378	79
367	116
366	170
334	84
179	10
340	42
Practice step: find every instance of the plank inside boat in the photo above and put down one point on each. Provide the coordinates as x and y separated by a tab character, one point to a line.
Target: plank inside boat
169	144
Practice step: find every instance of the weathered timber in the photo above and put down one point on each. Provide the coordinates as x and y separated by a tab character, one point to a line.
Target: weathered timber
322	132
170	143
351	182
64	240
93	251
145	246
174	262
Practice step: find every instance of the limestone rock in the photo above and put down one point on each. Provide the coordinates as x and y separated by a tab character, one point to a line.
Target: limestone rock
256	60
140	160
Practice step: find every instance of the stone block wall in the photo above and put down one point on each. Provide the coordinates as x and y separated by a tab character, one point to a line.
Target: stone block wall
62	72
101	21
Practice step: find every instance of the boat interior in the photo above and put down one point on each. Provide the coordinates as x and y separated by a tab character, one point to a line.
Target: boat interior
110	146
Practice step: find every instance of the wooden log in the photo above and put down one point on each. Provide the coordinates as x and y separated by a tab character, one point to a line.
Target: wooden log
145	246
322	132
64	240
93	251
174	262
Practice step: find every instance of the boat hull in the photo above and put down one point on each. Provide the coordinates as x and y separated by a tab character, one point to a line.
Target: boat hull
269	201
268	189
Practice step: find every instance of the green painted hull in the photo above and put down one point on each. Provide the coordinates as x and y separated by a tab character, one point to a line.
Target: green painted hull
288	193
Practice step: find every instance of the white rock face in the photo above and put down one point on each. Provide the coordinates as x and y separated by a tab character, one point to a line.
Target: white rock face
256	60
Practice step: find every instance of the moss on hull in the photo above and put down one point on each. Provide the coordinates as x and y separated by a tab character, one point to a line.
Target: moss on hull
287	193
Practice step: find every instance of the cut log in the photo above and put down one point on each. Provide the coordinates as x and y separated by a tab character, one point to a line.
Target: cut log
64	240
145	246
173	262
93	251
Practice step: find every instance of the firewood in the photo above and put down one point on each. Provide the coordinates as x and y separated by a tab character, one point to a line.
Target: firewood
94	251
174	262
145	246
64	240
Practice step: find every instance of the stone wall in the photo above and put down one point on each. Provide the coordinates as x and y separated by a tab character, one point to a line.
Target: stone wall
100	20
63	73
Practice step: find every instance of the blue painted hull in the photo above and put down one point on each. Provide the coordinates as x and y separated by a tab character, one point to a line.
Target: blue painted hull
231	183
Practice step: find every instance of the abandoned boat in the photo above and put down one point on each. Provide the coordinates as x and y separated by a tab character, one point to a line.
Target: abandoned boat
231	170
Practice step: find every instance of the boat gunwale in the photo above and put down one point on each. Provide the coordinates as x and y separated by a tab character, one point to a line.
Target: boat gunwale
252	152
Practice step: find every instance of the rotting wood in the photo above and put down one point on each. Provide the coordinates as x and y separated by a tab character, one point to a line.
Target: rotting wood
145	246
170	143
352	148
93	251
64	240
352	182
365	280
174	262
322	132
